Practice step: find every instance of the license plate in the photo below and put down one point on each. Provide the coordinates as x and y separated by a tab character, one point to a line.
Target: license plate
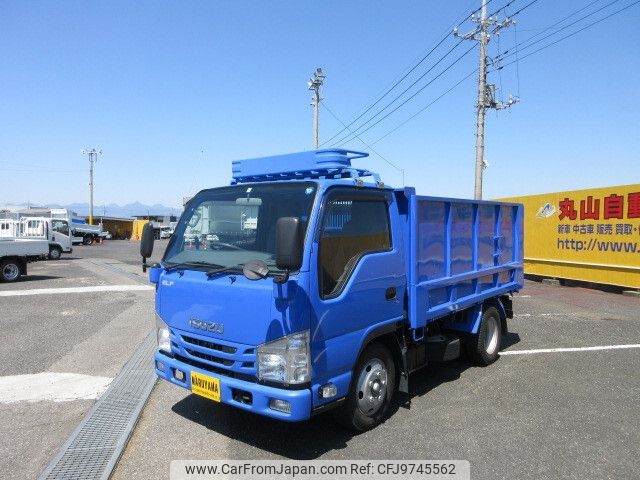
205	386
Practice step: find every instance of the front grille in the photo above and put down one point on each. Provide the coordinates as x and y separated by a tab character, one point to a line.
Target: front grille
211	358
216	356
209	345
212	369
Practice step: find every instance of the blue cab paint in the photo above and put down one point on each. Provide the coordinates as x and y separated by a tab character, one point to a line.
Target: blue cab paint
443	260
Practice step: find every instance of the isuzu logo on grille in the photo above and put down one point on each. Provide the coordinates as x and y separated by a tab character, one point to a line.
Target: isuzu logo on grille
207	326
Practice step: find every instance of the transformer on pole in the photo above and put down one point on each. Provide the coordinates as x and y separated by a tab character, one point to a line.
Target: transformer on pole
486	93
315	84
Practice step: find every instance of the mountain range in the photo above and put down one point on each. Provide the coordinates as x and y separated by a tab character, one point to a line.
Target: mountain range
112	209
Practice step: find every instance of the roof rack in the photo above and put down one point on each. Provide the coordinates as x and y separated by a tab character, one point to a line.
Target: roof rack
315	164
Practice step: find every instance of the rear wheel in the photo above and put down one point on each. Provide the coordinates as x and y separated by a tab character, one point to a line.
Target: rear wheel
483	348
55	253
9	270
87	240
372	389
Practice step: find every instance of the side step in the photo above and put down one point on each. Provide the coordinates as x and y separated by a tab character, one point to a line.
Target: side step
442	348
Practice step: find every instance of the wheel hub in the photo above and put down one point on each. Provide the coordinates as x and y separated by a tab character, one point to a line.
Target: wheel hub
372	387
10	272
491	336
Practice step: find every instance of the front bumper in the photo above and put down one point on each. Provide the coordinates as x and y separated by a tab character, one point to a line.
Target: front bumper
300	400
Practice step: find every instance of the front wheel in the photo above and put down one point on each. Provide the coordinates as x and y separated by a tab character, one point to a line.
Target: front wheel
483	348
87	240
372	388
55	253
9	271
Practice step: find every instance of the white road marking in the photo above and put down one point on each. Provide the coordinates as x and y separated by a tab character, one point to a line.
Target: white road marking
522	296
57	387
53	291
555	314
570	349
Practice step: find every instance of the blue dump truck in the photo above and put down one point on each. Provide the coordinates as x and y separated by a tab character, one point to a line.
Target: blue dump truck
309	285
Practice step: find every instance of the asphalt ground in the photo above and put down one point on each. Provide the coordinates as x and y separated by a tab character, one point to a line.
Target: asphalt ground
89	335
546	415
540	415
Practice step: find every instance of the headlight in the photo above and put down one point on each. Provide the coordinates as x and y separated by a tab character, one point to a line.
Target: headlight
164	339
285	360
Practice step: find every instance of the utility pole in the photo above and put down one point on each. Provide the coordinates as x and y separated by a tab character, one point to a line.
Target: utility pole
486	93
93	157
314	84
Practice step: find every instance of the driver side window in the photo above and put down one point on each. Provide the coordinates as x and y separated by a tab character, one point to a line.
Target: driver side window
60	227
351	228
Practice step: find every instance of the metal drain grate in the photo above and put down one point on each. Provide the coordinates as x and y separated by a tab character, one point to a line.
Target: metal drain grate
92	450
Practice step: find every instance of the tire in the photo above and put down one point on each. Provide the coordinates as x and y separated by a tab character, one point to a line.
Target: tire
55	253
10	271
483	348
372	388
87	240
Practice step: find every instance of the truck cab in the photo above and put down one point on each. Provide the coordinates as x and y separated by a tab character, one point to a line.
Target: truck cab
298	289
55	230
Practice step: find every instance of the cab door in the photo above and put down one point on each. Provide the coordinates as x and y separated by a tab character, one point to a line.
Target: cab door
60	234
360	282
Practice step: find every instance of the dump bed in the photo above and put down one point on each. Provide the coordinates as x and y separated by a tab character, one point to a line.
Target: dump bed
460	252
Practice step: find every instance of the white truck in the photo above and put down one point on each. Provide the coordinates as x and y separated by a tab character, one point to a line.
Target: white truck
81	232
166	232
15	253
55	230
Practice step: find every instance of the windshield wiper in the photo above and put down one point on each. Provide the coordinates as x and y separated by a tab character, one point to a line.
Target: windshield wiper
221	269
182	266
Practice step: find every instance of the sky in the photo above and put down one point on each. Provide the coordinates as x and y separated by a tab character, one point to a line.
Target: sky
172	92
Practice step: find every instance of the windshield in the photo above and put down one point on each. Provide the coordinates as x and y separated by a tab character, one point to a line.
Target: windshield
227	227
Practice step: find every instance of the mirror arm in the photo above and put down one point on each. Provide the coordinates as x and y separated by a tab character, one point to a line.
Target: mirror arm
144	265
280	279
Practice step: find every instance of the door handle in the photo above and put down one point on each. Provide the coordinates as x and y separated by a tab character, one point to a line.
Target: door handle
390	293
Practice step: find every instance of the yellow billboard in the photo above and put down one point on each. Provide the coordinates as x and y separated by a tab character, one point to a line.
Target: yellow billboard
590	235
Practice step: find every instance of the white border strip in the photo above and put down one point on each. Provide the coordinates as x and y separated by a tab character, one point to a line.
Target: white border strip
54	291
570	349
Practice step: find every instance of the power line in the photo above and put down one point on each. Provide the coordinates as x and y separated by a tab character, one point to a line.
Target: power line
401	170
570	34
515	39
403	123
389	90
527	43
403	77
412	96
498	10
542	30
523	8
507	5
562	20
397	97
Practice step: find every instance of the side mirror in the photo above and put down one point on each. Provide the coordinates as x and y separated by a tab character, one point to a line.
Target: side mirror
146	244
288	243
